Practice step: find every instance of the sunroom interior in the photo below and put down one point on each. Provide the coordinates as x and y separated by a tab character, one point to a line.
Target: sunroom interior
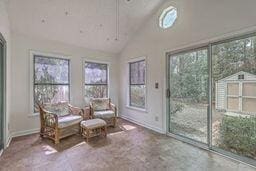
178	76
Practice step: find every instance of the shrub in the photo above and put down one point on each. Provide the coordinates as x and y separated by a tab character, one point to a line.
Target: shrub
238	134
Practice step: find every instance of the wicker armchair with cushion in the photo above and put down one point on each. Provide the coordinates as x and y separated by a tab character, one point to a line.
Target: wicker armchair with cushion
103	108
59	120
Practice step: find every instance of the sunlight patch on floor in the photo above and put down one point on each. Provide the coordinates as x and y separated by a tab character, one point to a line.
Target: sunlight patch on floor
116	133
49	150
79	144
128	127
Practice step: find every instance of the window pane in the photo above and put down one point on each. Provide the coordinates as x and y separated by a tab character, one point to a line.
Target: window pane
169	18
51	93
51	70
95	73
137	96
138	72
95	91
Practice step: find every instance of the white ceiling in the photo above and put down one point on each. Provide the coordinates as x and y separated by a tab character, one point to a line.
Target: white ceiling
85	23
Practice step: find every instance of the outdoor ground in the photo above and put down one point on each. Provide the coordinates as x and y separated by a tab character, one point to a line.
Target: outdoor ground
192	122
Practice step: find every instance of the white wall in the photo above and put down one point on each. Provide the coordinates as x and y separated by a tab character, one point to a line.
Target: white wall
5	30
199	21
21	122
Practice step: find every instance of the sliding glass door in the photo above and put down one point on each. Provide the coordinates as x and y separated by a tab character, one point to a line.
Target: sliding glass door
188	83
1	94
234	96
212	96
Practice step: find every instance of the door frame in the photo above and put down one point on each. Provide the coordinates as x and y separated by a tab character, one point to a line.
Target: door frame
4	120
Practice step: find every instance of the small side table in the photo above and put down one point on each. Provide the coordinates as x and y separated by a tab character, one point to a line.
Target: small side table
93	127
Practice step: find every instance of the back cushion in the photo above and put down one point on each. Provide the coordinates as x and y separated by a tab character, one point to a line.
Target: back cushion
60	109
100	104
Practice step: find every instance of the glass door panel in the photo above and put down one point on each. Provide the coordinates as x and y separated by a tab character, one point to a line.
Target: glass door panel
188	83
234	96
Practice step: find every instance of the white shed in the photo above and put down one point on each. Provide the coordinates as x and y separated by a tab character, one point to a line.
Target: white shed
237	93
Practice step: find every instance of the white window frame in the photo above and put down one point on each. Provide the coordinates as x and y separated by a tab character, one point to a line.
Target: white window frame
33	53
163	15
128	88
84	60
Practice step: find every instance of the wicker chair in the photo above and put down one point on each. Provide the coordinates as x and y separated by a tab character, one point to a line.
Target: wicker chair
103	108
59	120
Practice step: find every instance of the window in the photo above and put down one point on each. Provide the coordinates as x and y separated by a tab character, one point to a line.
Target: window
168	17
51	80
241	76
96	80
137	85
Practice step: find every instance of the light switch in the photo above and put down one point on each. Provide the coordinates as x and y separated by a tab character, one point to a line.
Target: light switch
156	85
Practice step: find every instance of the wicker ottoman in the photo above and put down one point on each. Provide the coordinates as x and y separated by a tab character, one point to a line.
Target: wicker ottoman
93	127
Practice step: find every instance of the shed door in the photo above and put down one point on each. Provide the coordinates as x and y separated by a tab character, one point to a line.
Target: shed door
233	97
249	97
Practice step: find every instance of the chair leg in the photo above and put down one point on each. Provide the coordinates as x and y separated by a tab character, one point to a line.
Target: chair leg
114	122
41	132
80	130
57	139
105	131
87	135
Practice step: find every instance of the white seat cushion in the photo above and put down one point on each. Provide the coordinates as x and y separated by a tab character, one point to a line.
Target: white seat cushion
93	123
69	120
104	114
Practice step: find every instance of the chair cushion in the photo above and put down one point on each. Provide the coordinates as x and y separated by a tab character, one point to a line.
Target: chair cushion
60	109
104	114
100	104
69	120
93	123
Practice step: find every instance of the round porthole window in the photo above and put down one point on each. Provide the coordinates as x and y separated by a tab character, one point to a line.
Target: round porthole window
168	17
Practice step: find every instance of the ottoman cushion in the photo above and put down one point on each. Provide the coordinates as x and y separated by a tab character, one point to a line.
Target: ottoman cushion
93	123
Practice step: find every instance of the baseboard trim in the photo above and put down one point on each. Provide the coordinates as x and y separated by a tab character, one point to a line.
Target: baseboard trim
146	125
26	132
9	141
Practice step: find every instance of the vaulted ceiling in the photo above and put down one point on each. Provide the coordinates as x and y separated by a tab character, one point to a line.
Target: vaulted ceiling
85	23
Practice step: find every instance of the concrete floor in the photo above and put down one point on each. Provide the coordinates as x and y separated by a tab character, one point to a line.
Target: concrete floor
127	147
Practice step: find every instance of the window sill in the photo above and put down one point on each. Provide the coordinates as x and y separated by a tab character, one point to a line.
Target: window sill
136	108
33	115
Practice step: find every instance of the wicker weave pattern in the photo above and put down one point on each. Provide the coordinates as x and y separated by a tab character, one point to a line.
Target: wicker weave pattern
111	121
50	124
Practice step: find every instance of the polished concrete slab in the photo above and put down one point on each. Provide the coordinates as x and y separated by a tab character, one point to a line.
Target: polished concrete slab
127	147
